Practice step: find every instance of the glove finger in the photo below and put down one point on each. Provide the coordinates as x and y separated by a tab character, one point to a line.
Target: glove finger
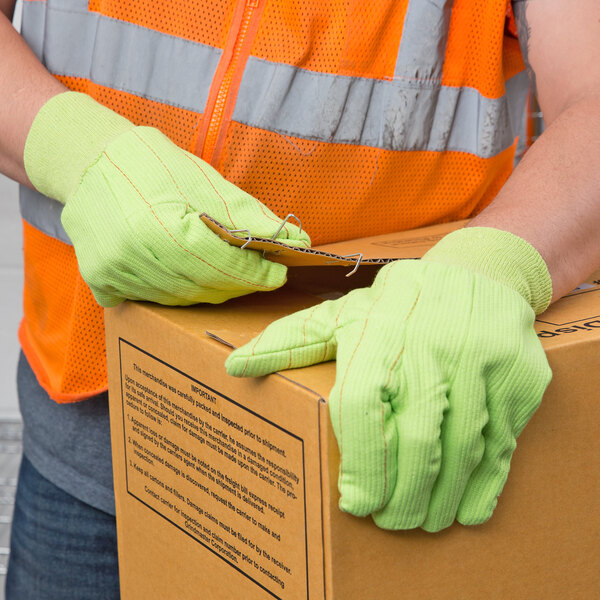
211	262
303	338
179	292
120	285
361	413
418	412
513	397
462	447
488	478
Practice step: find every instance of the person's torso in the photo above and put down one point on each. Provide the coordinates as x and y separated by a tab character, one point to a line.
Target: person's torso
358	118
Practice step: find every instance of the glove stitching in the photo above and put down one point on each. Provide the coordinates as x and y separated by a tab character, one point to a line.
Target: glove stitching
508	379
213	187
309	316
279	352
504	469
175	240
165	167
341	310
81	178
252	353
382	503
341	470
325	351
387	384
457	364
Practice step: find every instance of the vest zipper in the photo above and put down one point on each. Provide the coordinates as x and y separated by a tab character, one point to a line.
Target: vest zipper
218	109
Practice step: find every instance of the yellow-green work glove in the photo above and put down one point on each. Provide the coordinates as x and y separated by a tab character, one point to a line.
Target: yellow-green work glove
132	203
438	371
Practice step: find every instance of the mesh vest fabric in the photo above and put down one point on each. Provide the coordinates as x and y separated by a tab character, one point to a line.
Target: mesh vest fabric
359	119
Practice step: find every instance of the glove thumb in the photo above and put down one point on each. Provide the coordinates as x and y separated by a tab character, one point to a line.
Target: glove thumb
298	340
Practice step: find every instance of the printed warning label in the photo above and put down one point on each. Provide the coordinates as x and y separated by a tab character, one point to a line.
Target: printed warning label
220	473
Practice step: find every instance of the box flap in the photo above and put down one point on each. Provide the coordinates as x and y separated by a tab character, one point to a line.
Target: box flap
376	250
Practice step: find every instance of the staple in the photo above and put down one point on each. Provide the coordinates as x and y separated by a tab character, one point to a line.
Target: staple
360	257
242	231
288	217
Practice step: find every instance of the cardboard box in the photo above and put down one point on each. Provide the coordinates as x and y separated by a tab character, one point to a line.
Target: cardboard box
227	488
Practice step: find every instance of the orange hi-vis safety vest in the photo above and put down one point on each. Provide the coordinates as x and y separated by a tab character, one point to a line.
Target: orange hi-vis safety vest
359	117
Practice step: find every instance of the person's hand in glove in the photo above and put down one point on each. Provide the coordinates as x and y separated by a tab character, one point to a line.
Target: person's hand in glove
438	371
132	204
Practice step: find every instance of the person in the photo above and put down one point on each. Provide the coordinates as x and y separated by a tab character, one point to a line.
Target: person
359	120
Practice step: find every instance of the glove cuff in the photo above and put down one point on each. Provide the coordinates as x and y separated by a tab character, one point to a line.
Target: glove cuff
501	256
68	134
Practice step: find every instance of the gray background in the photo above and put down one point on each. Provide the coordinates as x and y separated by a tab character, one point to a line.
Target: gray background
11	275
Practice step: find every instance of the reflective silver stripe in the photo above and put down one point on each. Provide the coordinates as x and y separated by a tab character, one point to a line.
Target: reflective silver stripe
403	114
423	44
74	42
33	25
412	112
43	213
384	114
518	112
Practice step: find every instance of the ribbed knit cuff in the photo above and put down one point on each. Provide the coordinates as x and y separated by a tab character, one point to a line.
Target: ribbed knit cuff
501	256
68	135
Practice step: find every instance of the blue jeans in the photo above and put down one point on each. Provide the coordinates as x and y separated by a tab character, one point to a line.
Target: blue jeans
61	548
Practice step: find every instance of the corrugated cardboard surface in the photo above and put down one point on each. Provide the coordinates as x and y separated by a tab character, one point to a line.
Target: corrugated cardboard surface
379	249
226	488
